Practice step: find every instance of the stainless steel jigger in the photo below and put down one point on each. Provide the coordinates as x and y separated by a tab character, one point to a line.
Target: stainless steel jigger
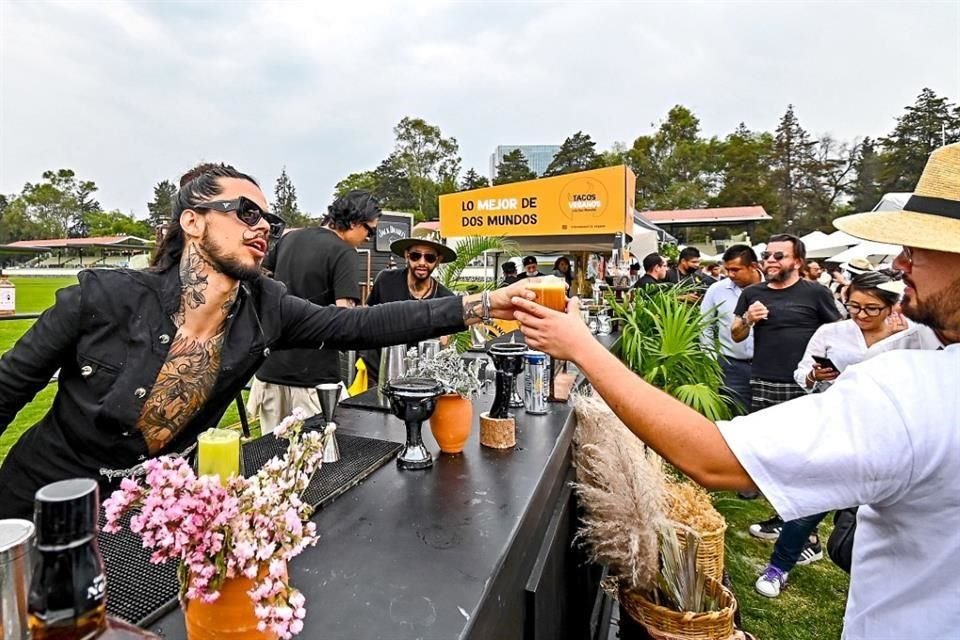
329	395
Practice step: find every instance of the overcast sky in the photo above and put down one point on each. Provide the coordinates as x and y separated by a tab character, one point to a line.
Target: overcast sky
130	93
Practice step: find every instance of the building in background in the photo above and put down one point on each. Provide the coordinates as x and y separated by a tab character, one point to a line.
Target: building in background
539	156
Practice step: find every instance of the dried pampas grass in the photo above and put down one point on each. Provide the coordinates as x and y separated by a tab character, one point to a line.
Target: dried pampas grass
690	504
623	493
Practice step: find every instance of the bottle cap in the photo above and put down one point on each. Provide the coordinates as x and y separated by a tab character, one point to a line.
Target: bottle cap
66	511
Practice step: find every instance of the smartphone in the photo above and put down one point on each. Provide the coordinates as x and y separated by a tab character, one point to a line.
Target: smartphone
826	363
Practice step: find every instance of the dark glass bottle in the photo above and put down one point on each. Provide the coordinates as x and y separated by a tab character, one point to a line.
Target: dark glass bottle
68	593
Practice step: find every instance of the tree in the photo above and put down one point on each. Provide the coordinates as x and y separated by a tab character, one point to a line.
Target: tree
930	123
675	167
513	168
285	202
161	207
116	223
744	166
16	224
616	155
865	191
577	153
428	159
793	164
393	186
364	180
473	180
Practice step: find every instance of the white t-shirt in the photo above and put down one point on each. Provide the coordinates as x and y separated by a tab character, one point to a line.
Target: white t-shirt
887	436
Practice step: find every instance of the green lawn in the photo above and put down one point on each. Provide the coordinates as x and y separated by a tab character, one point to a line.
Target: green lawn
33	296
812	605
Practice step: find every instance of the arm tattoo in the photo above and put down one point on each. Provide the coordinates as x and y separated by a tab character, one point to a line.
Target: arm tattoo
472	310
182	387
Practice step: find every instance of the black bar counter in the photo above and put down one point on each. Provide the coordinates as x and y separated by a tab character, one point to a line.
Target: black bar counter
478	546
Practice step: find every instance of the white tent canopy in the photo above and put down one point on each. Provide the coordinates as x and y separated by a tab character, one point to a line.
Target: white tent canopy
875	252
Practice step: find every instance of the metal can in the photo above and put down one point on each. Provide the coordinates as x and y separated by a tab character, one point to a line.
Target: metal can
536	383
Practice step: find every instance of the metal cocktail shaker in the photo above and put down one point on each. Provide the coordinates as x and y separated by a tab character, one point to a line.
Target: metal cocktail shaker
16	564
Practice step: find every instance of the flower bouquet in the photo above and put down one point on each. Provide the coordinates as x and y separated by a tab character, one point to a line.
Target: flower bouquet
248	528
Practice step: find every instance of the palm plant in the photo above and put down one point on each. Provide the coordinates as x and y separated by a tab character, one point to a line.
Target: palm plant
661	343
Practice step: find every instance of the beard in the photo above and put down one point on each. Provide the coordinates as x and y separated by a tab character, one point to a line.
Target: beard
222	262
940	312
417	276
781	276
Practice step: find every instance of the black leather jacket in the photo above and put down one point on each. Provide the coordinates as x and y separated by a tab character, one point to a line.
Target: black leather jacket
109	336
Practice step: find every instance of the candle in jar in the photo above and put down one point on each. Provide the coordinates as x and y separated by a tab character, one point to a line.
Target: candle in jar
218	453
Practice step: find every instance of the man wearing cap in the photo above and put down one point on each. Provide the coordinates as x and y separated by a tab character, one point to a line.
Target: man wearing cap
319	264
884	436
530	268
415	282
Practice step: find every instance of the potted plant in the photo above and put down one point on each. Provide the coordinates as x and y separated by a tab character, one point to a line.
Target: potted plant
452	419
233	542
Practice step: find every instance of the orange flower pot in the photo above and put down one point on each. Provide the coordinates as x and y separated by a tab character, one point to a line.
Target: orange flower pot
229	617
451	422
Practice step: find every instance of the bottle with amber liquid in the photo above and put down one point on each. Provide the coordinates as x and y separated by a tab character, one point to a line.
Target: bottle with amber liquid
68	592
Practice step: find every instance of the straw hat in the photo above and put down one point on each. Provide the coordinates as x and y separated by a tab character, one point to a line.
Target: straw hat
931	217
858	265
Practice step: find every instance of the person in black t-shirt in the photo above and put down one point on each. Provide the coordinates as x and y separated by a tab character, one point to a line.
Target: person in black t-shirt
321	265
509	273
655	270
415	282
531	269
784	312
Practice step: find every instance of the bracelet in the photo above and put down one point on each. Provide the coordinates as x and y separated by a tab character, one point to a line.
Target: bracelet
485	307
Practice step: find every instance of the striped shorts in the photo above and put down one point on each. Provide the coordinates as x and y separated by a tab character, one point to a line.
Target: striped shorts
766	393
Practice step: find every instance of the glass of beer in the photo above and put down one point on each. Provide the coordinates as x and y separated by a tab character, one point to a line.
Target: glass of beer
550	291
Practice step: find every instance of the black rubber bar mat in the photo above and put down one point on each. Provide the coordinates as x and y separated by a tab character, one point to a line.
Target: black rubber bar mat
140	592
369	399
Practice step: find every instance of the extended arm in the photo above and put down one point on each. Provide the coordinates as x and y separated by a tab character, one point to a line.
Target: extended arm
27	367
678	433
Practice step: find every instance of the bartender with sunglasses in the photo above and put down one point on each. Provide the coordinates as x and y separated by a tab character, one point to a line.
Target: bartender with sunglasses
149	359
415	282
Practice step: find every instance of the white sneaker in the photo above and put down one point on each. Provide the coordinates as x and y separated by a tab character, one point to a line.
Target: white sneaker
771	582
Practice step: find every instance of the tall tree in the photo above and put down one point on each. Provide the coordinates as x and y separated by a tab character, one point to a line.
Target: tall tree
931	122
161	207
674	166
365	180
865	191
285	202
393	186
428	159
616	155
577	153
794	171
744	165
473	180
513	168
17	224
116	223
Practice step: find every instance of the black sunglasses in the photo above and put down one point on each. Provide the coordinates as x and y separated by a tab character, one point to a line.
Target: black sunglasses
416	255
248	212
371	231
779	255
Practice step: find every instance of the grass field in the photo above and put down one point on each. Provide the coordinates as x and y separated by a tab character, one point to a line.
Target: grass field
811	608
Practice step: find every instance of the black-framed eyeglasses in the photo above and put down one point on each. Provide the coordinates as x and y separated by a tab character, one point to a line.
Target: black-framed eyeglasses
371	231
777	255
416	255
248	212
871	311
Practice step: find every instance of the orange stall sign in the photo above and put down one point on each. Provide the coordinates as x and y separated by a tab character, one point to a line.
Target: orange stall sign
599	201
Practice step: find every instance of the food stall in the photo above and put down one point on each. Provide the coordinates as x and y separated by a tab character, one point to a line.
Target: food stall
575	214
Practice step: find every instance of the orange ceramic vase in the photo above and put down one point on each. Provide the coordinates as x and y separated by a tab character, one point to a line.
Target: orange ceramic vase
229	617
451	422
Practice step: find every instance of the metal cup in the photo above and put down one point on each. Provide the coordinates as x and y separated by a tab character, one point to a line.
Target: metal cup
329	396
16	566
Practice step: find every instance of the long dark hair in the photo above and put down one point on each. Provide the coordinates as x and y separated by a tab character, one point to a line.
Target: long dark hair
356	207
869	283
197	185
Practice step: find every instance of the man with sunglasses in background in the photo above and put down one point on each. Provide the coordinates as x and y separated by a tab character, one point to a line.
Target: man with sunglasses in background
319	264
150	359
784	313
415	282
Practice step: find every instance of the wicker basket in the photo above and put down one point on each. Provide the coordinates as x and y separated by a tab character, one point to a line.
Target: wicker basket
710	553
665	624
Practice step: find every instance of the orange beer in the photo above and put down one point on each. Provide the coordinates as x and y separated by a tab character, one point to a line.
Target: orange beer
550	291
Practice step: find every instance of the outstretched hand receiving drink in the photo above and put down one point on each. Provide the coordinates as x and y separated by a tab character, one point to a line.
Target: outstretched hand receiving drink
563	335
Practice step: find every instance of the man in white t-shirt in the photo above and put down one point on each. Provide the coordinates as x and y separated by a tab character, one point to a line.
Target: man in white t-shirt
886	437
